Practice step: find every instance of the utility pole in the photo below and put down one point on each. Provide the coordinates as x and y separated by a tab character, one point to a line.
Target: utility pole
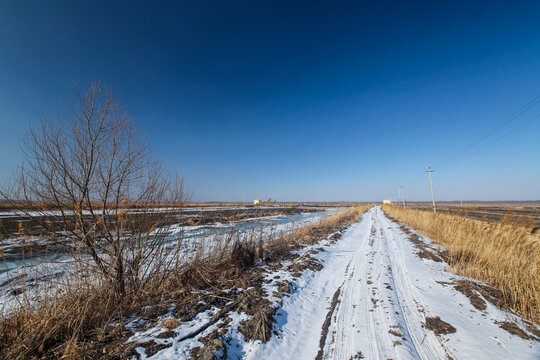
402	196
431	183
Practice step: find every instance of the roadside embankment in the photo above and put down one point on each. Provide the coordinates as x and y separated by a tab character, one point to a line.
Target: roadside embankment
503	254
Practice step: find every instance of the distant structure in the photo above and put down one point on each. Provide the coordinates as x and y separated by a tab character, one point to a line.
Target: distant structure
387	201
257	202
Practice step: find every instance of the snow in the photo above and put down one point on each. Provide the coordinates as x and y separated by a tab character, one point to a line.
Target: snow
182	349
177	349
378	284
406	292
35	213
38	268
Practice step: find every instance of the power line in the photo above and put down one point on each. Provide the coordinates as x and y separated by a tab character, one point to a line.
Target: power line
465	152
479	140
496	140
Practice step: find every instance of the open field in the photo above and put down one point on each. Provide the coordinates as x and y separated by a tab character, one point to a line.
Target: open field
190	214
487	211
8	206
24	247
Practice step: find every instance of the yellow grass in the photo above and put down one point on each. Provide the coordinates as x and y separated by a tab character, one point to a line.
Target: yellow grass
313	233
503	254
70	323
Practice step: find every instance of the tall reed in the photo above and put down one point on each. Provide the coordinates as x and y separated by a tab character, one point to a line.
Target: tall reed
503	254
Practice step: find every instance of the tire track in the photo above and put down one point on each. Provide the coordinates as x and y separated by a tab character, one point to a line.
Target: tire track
326	324
377	301
373	299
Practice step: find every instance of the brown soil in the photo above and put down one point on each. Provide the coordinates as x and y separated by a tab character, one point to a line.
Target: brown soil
472	290
533	330
326	324
439	326
513	329
425	251
492	213
424	254
395	333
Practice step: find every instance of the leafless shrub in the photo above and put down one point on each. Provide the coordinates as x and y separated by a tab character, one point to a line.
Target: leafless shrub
95	168
90	184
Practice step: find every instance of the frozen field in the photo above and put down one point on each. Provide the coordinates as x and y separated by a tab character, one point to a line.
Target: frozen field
27	270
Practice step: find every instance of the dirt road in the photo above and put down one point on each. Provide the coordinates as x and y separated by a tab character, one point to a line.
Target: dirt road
376	299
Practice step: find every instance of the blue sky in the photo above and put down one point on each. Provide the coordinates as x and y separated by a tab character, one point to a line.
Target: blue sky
295	100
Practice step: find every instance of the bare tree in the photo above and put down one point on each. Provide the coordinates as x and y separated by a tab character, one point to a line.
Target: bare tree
94	168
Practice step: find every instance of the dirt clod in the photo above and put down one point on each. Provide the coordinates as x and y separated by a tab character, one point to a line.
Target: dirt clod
169	323
513	329
439	326
472	290
153	347
424	254
358	355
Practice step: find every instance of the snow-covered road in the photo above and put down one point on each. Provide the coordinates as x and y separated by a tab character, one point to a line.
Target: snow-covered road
373	299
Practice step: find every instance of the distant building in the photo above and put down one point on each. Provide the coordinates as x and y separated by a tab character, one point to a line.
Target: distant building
257	202
387	201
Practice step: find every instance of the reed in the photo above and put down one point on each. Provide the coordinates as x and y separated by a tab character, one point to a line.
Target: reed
503	254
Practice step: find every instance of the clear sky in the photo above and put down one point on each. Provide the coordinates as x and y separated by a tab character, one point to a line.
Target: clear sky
295	100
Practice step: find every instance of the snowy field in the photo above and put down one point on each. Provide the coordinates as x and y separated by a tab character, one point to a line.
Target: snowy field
33	268
373	299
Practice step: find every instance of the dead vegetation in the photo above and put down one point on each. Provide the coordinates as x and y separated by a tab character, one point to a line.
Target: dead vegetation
93	165
489	211
89	321
94	168
218	275
502	254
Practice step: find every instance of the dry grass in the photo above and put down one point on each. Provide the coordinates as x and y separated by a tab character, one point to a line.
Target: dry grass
72	323
40	205
310	234
57	326
503	254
